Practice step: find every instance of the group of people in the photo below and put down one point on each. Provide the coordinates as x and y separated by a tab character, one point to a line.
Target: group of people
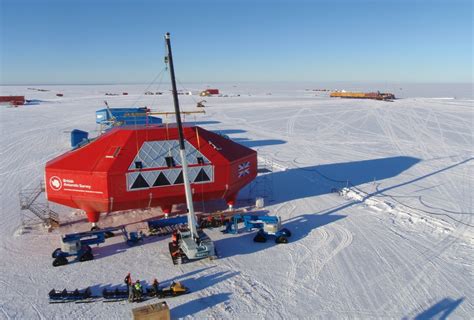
135	290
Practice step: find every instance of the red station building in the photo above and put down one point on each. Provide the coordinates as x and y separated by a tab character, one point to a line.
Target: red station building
139	167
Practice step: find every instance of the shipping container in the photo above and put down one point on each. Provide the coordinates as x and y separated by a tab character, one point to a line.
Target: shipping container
78	137
125	116
13	100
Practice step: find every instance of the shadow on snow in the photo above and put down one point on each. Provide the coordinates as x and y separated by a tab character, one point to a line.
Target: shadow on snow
199	304
440	310
304	182
317	180
258	143
191	280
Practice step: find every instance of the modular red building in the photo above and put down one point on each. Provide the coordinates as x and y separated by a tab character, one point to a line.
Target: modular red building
14	100
213	91
139	167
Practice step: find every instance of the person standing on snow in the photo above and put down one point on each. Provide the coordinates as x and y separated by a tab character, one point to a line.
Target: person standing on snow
131	293
156	286
128	282
138	290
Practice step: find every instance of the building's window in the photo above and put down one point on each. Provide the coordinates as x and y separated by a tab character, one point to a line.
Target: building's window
170	162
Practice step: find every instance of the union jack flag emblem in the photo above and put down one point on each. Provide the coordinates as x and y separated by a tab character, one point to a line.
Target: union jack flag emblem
244	169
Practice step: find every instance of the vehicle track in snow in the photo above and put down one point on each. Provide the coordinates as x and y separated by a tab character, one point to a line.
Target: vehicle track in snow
424	260
252	291
23	298
386	124
391	135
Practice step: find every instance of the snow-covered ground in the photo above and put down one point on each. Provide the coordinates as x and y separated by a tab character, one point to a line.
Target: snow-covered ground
396	240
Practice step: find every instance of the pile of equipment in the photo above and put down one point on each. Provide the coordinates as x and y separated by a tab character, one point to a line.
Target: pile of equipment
165	227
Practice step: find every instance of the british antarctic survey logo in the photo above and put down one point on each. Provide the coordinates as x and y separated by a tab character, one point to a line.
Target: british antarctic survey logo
55	183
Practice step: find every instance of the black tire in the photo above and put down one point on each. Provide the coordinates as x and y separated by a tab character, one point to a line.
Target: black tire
95	228
286	232
281	239
55	252
60	261
260	238
86	256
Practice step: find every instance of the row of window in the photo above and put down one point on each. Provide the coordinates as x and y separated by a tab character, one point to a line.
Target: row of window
170	162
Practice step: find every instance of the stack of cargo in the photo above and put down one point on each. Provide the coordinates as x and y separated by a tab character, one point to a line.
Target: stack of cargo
363	95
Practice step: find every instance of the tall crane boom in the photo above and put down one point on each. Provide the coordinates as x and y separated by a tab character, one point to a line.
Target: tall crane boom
187	185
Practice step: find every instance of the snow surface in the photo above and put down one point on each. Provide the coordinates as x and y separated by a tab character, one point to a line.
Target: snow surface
378	196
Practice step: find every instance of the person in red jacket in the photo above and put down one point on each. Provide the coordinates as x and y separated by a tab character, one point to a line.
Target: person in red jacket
128	280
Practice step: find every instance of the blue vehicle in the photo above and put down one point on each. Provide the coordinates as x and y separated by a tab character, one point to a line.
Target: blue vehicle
78	245
268	226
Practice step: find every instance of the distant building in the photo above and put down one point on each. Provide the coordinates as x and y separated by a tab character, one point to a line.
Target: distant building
209	92
13	100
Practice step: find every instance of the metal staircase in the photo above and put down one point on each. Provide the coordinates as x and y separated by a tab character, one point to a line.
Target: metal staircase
30	202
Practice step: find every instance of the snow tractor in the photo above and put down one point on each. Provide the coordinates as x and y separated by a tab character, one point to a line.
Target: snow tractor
175	289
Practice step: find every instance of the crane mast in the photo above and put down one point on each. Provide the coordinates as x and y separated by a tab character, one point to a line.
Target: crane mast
182	151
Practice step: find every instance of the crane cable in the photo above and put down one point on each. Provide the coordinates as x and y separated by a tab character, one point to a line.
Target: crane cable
134	104
199	150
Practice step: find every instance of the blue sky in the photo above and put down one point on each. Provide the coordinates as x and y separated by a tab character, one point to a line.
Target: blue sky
117	41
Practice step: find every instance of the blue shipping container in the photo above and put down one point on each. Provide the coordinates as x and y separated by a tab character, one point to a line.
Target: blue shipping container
125	116
78	137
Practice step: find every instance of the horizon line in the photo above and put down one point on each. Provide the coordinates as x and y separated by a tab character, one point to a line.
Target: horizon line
242	81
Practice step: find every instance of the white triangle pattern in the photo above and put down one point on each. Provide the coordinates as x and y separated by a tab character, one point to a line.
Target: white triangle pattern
170	174
150	176
131	177
152	154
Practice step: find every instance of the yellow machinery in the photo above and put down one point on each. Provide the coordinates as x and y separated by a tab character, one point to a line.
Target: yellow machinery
363	95
347	94
175	289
